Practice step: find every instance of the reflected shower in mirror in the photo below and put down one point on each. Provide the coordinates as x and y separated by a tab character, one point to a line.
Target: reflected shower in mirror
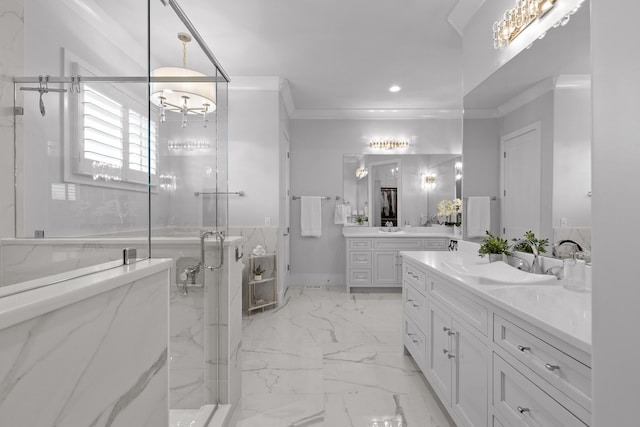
403	189
534	115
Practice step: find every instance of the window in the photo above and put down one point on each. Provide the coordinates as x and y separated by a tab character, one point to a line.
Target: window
114	137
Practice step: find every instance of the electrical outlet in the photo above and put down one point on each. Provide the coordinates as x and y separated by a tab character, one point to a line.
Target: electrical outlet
267	220
564	223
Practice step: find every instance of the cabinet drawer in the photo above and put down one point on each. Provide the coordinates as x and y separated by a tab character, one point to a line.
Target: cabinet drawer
360	244
416	342
360	259
360	276
415	304
436	244
521	402
415	276
564	372
398	244
472	312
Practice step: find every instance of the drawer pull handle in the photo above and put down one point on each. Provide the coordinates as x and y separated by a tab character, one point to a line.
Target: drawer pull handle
416	277
451	355
410	273
450	333
445	351
523	410
416	306
416	341
445	329
410	300
551	367
410	334
523	348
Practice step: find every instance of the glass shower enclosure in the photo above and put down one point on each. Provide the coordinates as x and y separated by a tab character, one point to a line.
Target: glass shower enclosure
120	138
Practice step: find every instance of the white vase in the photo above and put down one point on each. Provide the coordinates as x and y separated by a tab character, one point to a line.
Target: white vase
457	231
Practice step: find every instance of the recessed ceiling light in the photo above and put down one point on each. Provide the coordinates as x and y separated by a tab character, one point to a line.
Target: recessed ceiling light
395	88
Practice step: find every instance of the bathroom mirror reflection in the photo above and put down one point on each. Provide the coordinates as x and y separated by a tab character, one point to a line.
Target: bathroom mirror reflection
535	114
403	189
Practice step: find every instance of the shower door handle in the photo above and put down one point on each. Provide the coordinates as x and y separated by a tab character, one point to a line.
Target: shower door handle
203	237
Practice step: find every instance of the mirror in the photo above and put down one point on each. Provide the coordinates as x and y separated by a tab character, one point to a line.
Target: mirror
534	114
394	187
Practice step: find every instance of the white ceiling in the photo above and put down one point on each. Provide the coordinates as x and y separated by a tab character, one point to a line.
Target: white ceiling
341	55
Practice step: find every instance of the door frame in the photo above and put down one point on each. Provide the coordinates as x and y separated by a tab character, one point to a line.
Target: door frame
504	139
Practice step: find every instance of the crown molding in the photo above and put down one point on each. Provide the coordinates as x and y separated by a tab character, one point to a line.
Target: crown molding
255	83
377	114
462	13
481	113
562	81
287	97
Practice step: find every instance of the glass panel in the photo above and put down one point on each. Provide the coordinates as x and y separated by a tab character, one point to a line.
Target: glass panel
79	183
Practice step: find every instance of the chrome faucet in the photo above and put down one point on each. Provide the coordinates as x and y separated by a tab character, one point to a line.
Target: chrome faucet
565	242
388	224
535	267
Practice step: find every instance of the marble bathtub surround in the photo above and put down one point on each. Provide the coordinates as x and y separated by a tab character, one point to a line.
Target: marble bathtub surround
325	357
59	343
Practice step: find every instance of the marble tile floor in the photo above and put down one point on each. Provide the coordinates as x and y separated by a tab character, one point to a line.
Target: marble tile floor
328	358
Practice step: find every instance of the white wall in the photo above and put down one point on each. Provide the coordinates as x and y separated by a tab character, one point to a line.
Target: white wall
481	164
316	169
11	64
572	157
616	150
254	141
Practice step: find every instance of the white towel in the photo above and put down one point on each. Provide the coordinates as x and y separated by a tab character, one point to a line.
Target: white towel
478	216
311	216
340	216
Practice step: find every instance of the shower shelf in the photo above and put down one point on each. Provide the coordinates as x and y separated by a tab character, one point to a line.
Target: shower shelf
263	292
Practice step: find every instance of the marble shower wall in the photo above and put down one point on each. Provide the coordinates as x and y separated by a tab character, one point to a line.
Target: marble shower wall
100	361
192	381
11	64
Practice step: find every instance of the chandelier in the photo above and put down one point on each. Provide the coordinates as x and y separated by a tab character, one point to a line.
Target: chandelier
183	97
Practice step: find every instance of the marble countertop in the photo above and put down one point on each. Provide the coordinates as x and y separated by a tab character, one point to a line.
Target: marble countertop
362	231
564	313
117	240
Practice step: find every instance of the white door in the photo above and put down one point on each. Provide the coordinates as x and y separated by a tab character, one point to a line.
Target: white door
521	176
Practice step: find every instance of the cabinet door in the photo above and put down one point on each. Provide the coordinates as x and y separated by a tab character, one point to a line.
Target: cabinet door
439	352
385	268
470	377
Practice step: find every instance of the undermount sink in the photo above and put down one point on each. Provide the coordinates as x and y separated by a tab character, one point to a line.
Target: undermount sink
499	273
394	230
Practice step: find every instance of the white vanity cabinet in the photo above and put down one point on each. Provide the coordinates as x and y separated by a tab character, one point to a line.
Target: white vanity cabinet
375	262
490	366
456	353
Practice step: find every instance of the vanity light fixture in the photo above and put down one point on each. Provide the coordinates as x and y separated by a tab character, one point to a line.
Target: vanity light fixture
428	181
361	172
516	19
388	143
458	169
184	97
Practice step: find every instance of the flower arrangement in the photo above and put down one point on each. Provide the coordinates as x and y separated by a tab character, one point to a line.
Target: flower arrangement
451	210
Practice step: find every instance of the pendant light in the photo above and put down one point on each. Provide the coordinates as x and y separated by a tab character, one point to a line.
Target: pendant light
183	97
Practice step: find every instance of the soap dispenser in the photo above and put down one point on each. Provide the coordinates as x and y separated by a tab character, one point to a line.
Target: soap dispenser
574	273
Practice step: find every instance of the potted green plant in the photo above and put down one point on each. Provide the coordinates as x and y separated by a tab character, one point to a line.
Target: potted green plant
540	244
494	246
258	271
